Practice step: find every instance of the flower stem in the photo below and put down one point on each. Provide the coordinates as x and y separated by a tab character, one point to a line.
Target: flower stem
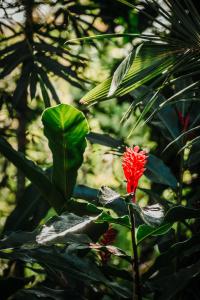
135	264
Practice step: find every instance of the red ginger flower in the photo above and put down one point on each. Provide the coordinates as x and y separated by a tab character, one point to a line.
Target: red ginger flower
109	236
133	164
107	239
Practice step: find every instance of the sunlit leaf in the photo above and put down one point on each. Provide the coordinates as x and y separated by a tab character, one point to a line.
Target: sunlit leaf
66	128
61	228
107	195
149	63
122	70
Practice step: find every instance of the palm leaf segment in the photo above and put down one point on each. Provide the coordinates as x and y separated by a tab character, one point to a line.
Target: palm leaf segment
161	57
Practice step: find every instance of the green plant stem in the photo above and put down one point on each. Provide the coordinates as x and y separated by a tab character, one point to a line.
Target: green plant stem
179	200
180	191
135	264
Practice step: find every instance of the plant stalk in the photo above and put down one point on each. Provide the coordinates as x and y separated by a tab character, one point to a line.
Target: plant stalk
21	106
135	263
180	193
180	185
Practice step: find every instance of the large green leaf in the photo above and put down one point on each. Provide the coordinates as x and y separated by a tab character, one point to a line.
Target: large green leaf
34	174
158	172
66	128
60	229
67	228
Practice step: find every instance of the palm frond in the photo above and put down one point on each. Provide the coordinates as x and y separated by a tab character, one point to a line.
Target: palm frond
177	47
151	62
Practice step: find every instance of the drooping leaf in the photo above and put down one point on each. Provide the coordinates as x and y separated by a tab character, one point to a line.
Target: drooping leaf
32	207
67	228
29	211
22	85
60	228
45	94
103	139
66	129
34	174
146	109
158	172
47	82
13	60
33	83
18	239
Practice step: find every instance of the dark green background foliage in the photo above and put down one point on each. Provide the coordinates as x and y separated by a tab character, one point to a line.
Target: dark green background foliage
138	62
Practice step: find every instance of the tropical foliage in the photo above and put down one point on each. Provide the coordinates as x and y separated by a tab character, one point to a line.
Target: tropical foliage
70	229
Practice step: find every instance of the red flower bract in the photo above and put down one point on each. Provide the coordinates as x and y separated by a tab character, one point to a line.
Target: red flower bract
107	239
133	164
